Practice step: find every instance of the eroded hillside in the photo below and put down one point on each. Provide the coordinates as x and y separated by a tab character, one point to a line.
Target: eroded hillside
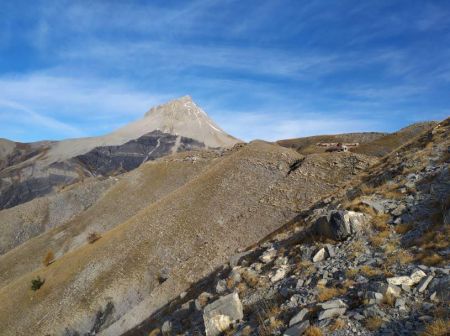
162	227
372	259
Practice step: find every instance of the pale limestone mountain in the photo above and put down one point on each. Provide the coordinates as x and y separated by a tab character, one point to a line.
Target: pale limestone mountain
180	117
37	169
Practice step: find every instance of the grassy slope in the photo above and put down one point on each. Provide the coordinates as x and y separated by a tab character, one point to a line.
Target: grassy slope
307	145
185	229
133	192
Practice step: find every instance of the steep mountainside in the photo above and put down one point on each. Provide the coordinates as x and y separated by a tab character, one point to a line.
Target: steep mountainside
372	259
161	227
33	170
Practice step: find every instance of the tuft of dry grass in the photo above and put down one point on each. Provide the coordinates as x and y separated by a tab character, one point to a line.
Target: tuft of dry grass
241	288
250	278
338	324
230	283
370	271
49	258
93	237
356	247
313	331
431	259
380	222
351	272
438	327
373	323
305	267
379	239
327	293
389	299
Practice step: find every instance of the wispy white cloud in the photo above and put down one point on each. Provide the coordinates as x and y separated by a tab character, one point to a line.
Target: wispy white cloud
20	114
58	103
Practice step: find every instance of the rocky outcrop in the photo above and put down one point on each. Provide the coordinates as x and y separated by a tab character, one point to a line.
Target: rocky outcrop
111	160
220	314
338	224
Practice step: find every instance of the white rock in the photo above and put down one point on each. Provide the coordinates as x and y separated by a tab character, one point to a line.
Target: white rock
320	255
333	312
280	273
424	283
337	303
219	314
417	275
299	317
268	255
404	280
393	290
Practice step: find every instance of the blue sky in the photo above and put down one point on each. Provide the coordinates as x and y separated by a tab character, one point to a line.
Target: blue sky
266	69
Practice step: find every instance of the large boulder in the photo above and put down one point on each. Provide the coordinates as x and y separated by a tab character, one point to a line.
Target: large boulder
340	224
220	314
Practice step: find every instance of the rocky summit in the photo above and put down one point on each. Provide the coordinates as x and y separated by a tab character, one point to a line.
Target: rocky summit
170	226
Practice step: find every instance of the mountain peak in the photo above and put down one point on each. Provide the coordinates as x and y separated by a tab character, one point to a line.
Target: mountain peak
182	116
179	105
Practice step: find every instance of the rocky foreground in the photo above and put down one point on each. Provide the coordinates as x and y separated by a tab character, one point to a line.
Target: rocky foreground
370	260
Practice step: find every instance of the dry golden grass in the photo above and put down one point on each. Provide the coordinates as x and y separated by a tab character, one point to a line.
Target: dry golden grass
438	327
305	267
380	222
391	246
241	288
49	258
313	331
275	323
247	331
327	293
373	323
250	278
379	238
338	324
356	247
351	272
230	283
403	228
431	260
370	271
389	299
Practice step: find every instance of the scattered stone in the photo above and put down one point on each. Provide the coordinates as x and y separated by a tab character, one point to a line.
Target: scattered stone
297	330
236	259
299	317
424	283
221	286
330	313
280	273
268	255
219	314
320	255
415	278
339	224
337	303
330	250
166	328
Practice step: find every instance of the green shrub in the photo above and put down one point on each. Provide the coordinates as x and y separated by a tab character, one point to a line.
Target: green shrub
37	283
